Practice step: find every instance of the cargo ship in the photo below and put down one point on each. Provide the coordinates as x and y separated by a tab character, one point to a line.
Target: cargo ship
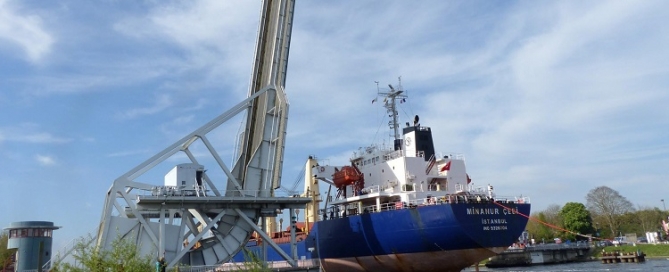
400	208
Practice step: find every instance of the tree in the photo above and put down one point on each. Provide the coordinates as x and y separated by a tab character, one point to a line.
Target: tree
540	231
645	219
608	205
552	213
576	218
537	230
649	218
124	255
5	254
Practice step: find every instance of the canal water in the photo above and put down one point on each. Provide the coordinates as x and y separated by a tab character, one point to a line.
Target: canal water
659	265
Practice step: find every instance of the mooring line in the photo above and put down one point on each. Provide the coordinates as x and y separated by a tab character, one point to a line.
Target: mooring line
545	223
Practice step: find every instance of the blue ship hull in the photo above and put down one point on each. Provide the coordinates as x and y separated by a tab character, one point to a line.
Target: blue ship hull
443	237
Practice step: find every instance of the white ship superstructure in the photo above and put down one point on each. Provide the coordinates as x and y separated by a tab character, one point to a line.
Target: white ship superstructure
409	173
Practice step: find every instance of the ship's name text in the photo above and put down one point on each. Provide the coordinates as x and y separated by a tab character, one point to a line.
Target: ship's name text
488	228
494	224
482	211
493	221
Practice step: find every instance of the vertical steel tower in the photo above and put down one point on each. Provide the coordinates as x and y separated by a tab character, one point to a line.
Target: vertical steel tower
188	219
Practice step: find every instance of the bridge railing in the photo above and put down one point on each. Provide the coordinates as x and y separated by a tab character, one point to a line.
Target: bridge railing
250	266
66	251
198	191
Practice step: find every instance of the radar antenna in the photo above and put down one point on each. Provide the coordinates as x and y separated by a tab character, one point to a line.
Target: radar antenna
390	103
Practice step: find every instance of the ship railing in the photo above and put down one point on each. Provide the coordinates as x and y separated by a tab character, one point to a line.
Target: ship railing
412	203
447	199
372	189
437	200
456	156
477	190
393	155
382	207
522	199
513	199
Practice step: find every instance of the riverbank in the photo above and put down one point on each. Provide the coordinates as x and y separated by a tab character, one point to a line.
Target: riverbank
651	250
655	265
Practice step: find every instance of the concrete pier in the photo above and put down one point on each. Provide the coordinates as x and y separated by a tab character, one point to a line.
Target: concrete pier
542	254
623	257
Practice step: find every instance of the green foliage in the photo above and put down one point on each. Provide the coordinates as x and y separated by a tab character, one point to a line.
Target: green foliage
123	256
542	232
5	254
576	218
253	263
645	219
538	231
608	214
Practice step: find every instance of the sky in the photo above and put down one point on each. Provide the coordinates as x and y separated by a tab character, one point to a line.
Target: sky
545	99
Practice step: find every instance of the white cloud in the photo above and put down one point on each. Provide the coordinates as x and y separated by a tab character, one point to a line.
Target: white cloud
41	137
26	31
545	99
216	37
45	160
161	103
183	120
28	133
128	153
535	95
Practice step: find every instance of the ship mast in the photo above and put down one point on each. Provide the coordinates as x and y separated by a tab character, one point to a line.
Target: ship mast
390	103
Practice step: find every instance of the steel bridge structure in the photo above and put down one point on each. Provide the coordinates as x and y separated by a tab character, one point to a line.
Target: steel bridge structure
193	219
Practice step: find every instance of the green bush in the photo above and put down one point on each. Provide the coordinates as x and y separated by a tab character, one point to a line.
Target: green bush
123	256
252	263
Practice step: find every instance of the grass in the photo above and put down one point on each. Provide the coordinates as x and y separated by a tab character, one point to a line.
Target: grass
651	250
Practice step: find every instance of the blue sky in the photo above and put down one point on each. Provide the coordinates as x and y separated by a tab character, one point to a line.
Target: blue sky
548	99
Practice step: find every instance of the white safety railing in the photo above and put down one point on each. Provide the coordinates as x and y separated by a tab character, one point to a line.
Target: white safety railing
198	191
352	208
65	252
250	266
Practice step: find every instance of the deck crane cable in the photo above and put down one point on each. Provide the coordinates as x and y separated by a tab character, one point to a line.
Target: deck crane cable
383	117
297	181
545	223
378	129
408	102
293	189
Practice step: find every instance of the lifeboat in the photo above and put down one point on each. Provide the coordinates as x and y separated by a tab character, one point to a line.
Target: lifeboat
348	175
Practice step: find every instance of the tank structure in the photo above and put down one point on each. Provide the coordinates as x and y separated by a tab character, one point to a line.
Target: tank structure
32	239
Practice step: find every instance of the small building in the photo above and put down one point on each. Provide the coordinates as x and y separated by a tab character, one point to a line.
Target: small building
32	239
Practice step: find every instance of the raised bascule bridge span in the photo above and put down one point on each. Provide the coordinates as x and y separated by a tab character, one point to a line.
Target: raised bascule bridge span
190	218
